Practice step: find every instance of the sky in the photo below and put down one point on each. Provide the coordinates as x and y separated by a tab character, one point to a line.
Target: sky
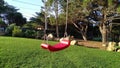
26	7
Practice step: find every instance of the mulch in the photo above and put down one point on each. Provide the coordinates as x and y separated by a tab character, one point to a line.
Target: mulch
91	44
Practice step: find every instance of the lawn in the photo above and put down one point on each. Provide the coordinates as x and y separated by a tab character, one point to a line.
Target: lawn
27	53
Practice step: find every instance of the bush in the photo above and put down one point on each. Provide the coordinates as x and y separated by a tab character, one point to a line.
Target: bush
39	34
17	32
9	29
30	33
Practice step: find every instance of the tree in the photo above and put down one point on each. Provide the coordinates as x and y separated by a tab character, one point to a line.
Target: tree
9	8
2	24
16	18
53	5
77	15
74	14
103	12
39	18
52	20
56	13
9	29
10	13
1	6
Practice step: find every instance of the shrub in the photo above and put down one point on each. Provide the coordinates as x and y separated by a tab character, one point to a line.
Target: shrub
39	34
30	33
9	29
17	32
1	22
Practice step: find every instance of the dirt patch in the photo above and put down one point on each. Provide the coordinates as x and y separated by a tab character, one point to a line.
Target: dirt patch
91	44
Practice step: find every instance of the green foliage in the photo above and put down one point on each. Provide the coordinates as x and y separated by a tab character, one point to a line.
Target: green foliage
1	22
11	13
30	33
52	20
62	19
30	25
40	34
16	18
26	53
9	29
2	6
116	30
40	18
17	32
28	30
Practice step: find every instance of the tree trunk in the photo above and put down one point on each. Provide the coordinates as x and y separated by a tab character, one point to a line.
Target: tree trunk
84	36
103	28
56	12
103	31
104	38
83	33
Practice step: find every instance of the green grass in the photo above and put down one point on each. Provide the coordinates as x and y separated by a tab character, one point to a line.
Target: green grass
27	53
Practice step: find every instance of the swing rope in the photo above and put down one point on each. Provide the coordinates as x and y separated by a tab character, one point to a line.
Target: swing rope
45	30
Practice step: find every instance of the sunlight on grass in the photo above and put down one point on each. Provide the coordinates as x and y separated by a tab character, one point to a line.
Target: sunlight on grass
27	53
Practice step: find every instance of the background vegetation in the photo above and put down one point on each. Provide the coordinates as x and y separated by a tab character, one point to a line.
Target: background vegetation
54	14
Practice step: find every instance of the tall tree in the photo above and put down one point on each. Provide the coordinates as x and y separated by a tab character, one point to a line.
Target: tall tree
53	5
74	14
56	13
10	14
77	15
104	7
16	18
2	6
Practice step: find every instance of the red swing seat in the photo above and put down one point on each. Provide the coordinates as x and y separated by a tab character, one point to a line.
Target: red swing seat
59	46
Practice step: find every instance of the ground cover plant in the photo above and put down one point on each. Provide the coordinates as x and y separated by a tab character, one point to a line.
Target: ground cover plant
26	53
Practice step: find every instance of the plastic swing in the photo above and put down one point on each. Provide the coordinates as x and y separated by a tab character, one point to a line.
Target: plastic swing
57	47
64	43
